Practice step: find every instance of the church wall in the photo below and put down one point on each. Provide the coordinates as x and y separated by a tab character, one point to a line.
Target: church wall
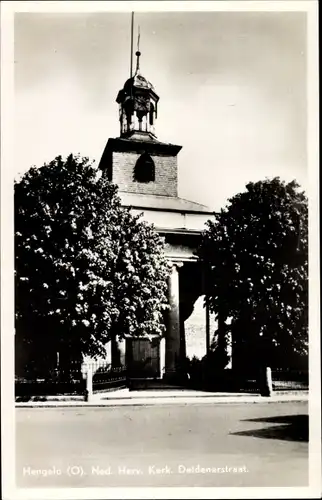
174	220
165	174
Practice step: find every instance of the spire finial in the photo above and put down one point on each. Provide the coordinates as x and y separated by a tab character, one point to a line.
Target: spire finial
138	53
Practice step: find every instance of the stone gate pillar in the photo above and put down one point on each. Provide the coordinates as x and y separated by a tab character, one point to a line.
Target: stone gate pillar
173	340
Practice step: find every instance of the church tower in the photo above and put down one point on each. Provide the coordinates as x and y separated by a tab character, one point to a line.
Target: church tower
136	161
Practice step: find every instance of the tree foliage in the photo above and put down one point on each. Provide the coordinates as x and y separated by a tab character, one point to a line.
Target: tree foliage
256	250
87	270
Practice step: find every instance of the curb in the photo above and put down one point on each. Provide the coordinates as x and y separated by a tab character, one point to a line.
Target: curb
155	401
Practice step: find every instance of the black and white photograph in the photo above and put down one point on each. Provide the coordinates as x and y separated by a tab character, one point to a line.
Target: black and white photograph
160	257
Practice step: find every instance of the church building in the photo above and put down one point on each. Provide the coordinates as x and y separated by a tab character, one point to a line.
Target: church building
146	172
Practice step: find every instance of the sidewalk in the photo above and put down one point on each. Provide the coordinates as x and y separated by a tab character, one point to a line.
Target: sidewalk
124	397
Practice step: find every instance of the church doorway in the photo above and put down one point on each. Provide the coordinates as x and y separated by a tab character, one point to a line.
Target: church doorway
143	358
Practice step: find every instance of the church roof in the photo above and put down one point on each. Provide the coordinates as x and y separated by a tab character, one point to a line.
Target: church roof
158	202
141	142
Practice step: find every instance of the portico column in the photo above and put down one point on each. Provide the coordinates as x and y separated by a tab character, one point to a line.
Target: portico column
118	352
173	342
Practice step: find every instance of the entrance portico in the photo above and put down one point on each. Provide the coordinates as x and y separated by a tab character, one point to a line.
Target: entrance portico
185	286
173	340
165	358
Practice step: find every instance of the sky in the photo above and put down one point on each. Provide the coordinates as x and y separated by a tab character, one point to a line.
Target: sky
232	89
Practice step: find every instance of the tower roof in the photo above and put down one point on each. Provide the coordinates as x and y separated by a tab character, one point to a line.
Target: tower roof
138	81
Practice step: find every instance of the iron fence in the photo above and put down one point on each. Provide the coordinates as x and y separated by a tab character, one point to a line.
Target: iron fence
66	380
106	377
282	380
290	380
70	380
230	380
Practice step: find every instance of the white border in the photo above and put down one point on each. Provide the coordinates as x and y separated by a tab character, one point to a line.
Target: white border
7	264
162	6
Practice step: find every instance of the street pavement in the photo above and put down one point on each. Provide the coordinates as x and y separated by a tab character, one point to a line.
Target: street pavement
237	444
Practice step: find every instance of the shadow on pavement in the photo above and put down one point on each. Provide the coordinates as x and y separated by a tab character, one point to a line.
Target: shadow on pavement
291	428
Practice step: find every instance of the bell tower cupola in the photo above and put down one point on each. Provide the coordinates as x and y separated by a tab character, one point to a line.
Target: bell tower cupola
138	104
136	161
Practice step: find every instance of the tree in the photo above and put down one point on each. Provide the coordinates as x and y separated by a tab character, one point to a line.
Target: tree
87	270
256	251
